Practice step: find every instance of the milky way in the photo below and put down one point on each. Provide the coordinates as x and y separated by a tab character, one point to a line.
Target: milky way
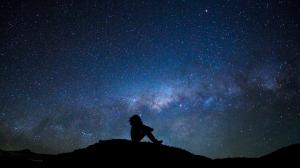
217	78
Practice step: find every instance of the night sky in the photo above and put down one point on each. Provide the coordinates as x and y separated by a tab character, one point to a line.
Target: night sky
217	78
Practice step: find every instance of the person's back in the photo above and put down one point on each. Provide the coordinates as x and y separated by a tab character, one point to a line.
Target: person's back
139	130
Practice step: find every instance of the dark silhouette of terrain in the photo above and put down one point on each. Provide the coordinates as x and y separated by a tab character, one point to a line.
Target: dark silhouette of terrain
125	152
288	153
22	158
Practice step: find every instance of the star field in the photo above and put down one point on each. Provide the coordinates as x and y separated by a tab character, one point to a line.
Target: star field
217	78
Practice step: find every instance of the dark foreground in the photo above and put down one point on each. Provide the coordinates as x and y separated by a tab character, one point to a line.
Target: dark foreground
124	152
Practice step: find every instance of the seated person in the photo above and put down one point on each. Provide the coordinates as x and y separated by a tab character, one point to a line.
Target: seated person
139	130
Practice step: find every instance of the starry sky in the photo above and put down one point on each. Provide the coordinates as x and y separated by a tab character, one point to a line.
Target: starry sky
217	78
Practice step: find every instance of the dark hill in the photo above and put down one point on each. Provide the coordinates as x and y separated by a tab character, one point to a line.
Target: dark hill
22	158
124	152
289	153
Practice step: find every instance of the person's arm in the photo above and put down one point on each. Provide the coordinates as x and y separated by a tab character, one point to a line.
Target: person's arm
147	128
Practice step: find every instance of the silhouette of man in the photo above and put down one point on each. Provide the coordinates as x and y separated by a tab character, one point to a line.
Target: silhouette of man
139	130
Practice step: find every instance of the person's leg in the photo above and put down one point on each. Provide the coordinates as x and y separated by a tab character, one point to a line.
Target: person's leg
152	138
137	136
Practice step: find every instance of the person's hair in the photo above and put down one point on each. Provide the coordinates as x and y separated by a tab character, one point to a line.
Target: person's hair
135	120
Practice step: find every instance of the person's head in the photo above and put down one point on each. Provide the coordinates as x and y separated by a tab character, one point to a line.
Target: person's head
135	120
